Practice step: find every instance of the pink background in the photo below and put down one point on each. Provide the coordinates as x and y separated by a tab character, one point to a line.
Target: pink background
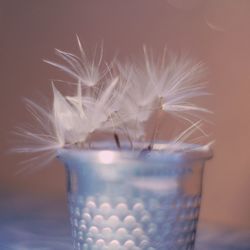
216	32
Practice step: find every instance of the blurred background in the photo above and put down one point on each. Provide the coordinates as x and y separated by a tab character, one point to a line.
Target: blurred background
216	32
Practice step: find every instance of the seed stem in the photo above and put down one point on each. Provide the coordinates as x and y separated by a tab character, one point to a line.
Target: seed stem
117	140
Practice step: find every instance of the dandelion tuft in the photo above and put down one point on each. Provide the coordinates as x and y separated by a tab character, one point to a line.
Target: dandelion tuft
117	99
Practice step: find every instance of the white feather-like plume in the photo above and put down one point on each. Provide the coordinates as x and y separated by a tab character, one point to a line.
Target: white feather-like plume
176	81
84	69
115	98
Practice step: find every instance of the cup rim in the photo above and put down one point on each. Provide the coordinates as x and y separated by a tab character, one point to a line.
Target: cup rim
169	153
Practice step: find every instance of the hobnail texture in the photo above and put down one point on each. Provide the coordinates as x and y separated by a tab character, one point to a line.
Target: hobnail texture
149	222
132	205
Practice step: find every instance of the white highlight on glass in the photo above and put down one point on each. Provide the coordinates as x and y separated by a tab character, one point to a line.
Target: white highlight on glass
106	157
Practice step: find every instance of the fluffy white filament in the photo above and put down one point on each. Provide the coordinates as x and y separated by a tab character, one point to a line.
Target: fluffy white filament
118	99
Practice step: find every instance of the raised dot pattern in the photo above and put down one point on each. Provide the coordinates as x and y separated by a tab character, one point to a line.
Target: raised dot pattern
152	223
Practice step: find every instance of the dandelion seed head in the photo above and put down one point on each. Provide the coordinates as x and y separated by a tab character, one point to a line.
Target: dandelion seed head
115	98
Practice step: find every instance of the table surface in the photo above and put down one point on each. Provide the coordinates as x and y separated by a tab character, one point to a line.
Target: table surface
44	225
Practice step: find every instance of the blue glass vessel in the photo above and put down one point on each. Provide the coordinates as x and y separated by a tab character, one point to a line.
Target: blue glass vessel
132	200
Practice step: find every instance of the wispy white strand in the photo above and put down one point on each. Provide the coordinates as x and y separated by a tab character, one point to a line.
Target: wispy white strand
121	101
82	69
176	81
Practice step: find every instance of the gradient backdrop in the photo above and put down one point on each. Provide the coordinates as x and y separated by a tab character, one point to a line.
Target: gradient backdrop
216	32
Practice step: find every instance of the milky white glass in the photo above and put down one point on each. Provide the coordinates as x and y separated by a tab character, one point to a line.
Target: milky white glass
119	200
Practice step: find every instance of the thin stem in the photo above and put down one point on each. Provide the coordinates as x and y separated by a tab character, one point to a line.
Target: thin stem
126	131
146	150
158	123
117	140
